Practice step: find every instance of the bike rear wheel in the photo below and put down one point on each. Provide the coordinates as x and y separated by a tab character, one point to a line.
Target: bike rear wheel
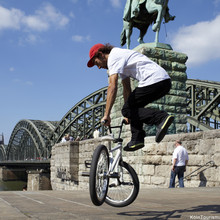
123	190
98	180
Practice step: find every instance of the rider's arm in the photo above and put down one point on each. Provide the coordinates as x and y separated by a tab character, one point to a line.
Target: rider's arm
111	94
126	88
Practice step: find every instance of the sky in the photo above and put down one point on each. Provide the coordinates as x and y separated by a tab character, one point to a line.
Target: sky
44	50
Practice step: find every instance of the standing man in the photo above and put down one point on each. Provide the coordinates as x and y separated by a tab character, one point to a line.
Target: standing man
179	160
154	83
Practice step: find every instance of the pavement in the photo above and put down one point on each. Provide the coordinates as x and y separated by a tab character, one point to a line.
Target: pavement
156	203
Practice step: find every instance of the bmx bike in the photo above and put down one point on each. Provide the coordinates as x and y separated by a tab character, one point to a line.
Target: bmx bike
112	180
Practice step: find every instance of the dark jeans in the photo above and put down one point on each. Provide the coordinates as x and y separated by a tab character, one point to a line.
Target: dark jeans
135	111
179	171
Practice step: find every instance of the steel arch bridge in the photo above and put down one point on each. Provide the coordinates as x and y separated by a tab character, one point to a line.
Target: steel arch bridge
32	139
2	152
83	118
29	140
203	105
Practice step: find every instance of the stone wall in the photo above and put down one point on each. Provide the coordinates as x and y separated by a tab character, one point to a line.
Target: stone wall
152	163
65	166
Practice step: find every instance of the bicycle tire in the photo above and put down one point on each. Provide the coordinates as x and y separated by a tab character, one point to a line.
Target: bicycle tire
124	193
98	180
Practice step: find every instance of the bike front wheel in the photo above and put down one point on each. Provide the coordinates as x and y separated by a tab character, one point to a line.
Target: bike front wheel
98	180
124	187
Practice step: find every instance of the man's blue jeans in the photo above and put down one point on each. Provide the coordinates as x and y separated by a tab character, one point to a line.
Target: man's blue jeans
179	171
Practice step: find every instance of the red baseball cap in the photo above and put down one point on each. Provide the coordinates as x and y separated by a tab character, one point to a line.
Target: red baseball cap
94	49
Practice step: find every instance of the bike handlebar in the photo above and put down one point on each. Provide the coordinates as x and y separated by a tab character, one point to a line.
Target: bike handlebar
110	127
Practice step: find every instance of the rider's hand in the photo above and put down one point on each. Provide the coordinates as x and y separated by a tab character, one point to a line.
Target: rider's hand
127	121
108	119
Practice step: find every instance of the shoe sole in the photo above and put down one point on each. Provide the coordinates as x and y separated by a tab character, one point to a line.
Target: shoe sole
134	147
164	128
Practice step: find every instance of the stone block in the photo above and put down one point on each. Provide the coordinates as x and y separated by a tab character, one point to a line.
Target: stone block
196	160
206	147
167	160
145	180
213	134
217	145
162	171
216	159
155	160
157	180
148	170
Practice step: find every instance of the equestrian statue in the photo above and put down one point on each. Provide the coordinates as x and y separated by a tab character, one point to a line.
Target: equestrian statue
141	14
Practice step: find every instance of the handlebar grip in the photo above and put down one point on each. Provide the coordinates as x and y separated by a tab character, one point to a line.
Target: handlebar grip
124	122
104	121
109	127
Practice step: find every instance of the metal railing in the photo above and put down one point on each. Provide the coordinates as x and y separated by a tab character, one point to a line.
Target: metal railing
199	170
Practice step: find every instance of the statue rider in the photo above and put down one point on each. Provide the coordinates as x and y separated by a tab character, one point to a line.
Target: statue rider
132	9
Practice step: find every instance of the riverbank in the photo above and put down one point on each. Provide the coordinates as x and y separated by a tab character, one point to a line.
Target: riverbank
12	185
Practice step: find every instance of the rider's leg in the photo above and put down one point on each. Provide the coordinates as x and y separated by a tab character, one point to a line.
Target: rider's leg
168	17
143	31
128	33
135	111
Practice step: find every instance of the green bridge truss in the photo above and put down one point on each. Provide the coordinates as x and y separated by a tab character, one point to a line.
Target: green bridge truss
2	152
33	139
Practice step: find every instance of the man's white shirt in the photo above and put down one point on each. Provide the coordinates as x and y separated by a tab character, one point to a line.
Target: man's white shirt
129	63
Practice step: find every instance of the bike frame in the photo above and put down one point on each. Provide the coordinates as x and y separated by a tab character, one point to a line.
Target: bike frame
114	160
112	180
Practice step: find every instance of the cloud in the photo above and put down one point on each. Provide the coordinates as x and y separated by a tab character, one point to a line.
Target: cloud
199	41
21	82
80	38
116	3
11	69
10	19
42	20
216	2
30	39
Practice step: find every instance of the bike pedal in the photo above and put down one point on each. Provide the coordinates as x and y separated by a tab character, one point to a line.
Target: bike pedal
114	175
112	185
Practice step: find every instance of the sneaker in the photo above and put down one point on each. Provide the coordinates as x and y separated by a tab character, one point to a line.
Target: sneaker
163	127
134	145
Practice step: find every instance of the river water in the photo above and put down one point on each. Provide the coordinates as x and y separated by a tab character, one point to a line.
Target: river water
12	185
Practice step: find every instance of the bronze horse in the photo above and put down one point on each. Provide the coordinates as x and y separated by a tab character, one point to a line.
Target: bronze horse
141	14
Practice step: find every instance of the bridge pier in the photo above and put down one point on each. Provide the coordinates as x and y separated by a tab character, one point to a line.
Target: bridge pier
38	180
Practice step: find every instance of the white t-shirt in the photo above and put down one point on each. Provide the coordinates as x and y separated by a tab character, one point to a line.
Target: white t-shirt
129	63
181	155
